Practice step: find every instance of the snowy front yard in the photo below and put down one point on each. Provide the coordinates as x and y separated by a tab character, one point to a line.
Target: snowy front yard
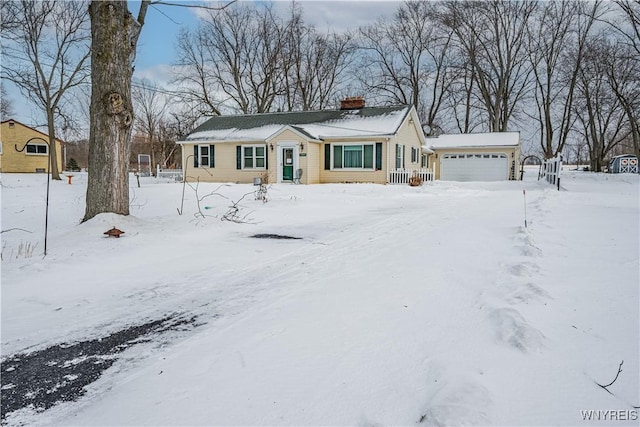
398	305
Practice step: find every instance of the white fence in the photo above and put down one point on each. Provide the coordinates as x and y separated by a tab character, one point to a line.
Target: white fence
174	174
551	170
401	176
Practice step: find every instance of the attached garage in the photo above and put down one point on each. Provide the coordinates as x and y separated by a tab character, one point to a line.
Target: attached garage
492	156
474	167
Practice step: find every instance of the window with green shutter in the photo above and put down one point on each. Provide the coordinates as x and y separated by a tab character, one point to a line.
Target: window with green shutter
203	156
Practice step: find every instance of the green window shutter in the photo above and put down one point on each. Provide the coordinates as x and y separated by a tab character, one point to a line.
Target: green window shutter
266	157
368	156
379	156
327	157
238	157
212	157
195	156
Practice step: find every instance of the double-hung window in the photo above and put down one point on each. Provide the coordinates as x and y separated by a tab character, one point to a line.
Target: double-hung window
399	156
254	156
353	156
415	155
40	149
204	156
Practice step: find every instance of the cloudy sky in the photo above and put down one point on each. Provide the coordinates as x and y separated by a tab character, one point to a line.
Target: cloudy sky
156	46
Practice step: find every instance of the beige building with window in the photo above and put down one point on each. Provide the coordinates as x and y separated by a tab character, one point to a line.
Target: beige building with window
353	144
35	156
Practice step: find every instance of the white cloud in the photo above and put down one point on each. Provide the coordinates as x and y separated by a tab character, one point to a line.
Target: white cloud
341	16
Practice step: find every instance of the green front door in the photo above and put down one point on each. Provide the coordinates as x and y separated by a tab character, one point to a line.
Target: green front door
287	164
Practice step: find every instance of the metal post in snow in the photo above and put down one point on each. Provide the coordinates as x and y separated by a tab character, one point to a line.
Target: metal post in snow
46	211
524	196
184	182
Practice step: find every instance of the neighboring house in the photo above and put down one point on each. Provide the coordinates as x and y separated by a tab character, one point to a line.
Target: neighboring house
34	158
493	156
353	144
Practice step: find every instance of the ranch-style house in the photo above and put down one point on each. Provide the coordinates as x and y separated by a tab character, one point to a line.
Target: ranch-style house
352	144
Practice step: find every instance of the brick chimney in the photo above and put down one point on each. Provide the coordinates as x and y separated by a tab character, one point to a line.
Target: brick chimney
352	103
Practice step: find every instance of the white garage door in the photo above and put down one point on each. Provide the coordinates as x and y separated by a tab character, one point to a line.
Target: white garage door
474	167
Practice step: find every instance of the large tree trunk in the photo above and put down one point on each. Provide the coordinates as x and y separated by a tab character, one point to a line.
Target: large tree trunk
114	34
53	154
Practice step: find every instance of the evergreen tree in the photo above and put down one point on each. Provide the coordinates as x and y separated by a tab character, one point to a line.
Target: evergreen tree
72	165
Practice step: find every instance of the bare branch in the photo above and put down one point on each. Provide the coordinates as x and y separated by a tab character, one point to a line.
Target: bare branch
195	6
614	380
18	229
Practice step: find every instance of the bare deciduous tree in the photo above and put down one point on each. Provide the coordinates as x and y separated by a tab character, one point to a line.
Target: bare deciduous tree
252	60
48	43
235	54
194	72
630	29
623	70
461	100
313	64
492	35
623	75
601	116
150	106
6	104
407	59
557	39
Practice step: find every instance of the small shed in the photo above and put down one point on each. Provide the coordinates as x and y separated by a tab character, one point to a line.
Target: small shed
625	163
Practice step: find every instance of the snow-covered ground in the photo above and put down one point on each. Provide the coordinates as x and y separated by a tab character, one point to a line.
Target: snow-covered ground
398	305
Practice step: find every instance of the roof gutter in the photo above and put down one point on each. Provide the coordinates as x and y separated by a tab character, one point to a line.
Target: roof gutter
362	137
462	147
221	141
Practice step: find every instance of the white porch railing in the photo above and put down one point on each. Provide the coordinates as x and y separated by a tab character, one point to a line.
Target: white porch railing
551	170
401	176
174	174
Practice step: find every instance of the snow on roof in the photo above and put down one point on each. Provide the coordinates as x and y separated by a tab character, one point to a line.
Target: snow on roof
234	134
386	124
470	140
316	124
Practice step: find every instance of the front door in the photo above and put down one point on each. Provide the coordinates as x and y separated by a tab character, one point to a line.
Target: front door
287	164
